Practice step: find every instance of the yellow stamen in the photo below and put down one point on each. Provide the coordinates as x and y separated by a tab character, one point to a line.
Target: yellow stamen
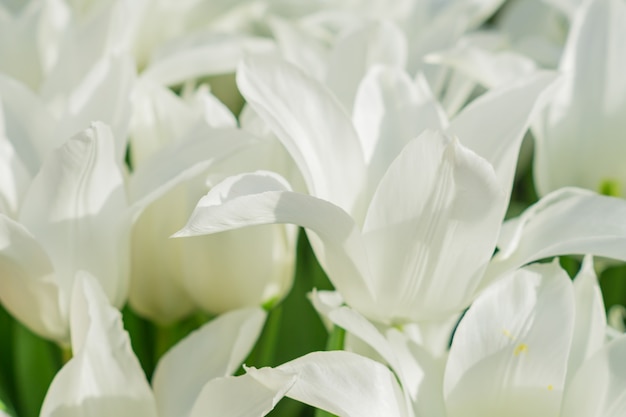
521	348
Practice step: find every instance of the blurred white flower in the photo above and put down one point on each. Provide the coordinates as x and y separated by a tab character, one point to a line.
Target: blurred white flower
580	135
394	255
532	344
74	216
180	146
105	378
84	73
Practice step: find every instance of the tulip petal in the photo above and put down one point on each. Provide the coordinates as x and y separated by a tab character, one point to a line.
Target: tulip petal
567	221
393	349
103	94
510	351
14	178
301	45
390	109
241	396
493	125
341	383
26	123
104	378
215	350
211	57
200	148
431	228
374	42
28	287
76	208
580	136
310	123
599	386
590	320
264	198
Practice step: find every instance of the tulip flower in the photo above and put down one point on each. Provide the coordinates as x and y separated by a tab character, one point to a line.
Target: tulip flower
394	256
579	136
104	377
188	143
79	73
533	343
359	209
73	217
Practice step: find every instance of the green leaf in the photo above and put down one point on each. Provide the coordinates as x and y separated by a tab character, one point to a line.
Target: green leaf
7	376
36	363
142	336
613	285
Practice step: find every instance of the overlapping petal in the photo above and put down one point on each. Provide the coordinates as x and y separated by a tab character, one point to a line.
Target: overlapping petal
76	208
509	355
225	396
28	287
599	386
590	318
508	110
341	383
213	351
567	221
310	123
104	377
265	198
431	228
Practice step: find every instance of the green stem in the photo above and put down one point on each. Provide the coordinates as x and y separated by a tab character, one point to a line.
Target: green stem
336	339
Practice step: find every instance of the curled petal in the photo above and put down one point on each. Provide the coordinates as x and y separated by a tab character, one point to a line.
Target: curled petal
341	383
567	221
264	198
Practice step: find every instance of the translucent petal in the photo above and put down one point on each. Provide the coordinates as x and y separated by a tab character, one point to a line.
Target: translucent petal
215	350
509	355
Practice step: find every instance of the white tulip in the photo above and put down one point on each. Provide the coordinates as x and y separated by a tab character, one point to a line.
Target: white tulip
74	216
105	378
532	344
179	146
580	136
394	256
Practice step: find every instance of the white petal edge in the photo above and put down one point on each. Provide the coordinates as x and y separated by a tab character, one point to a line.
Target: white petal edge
431	228
104	377
493	125
215	350
264	198
28	283
509	354
566	221
310	123
241	396
590	324
599	387
341	383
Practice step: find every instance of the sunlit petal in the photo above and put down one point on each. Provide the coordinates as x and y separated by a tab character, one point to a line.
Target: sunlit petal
431	228
104	377
310	123
509	354
264	198
215	350
567	221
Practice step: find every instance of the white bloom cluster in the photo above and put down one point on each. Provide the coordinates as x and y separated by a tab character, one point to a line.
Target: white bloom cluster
160	155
